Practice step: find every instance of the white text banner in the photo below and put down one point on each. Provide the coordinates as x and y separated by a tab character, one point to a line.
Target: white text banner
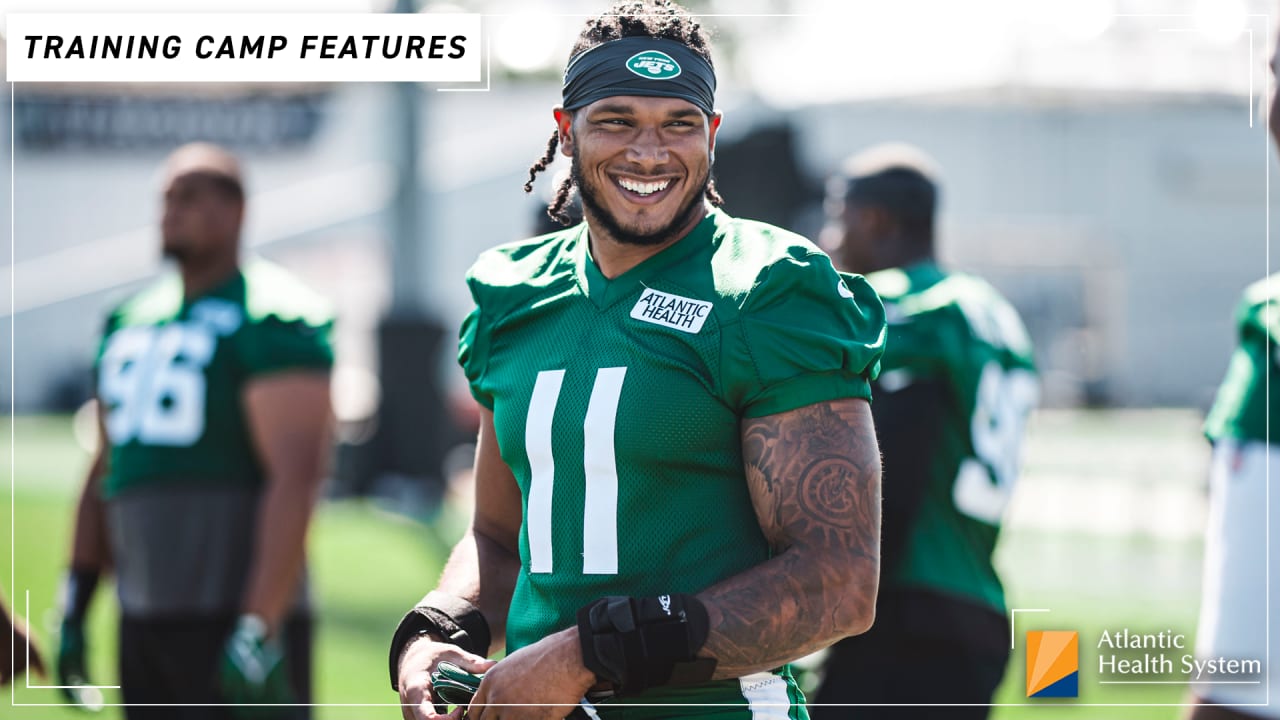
243	47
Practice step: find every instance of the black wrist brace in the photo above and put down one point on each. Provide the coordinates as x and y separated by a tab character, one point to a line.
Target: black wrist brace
639	643
77	592
455	620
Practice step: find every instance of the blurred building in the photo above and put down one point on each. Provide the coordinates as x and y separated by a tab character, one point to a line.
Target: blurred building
1122	225
1113	189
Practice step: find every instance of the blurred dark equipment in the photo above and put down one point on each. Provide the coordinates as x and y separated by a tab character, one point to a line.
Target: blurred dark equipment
404	458
759	176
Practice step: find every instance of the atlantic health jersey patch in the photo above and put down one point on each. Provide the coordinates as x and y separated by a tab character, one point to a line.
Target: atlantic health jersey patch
673	311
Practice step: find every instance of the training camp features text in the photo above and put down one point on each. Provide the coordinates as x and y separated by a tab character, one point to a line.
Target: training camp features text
232	47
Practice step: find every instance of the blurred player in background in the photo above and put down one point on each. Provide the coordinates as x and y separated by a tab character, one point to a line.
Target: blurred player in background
213	394
1235	595
677	485
955	389
14	644
1233	606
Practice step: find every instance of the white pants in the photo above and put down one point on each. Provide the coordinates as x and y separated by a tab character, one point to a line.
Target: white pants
1233	607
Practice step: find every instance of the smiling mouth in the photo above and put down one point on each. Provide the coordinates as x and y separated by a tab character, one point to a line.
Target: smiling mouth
643	188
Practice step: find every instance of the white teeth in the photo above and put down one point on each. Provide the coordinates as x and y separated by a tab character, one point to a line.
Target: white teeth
643	188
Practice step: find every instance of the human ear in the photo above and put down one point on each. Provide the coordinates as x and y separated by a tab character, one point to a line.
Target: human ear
564	126
713	126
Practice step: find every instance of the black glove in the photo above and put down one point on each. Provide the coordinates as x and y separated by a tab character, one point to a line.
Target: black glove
73	677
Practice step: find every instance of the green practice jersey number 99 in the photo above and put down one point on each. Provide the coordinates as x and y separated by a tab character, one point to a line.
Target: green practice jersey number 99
1005	400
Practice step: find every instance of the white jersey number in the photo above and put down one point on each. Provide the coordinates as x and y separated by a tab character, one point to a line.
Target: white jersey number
1005	400
600	517
152	380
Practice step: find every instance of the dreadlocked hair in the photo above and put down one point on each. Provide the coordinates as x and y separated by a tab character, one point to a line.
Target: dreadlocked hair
627	18
558	209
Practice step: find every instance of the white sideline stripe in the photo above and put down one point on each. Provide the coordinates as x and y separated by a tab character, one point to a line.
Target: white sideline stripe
600	513
542	467
766	696
26	612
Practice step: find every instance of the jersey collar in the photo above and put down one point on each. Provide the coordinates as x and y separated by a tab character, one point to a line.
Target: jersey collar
604	292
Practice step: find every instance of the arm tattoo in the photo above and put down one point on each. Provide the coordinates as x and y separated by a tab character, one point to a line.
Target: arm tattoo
814	478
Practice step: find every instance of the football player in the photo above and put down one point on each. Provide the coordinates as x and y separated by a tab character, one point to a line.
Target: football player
213	391
1233	605
955	389
1235	595
677	481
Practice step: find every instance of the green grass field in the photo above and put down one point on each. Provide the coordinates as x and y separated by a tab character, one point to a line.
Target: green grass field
369	565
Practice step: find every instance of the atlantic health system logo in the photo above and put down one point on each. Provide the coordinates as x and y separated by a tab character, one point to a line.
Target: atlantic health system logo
1053	663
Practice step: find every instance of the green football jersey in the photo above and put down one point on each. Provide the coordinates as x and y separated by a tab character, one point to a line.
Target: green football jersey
617	403
1241	406
957	331
170	371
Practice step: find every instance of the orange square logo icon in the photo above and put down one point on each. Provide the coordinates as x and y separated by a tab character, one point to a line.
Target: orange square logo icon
1053	663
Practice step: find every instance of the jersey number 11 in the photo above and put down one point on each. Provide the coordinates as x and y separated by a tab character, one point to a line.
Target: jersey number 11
600	515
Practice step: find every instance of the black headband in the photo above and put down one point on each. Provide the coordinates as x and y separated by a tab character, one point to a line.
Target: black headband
637	65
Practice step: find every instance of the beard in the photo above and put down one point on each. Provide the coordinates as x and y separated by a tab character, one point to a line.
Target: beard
590	194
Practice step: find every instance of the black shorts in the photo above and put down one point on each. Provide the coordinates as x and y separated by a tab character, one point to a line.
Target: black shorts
924	648
174	662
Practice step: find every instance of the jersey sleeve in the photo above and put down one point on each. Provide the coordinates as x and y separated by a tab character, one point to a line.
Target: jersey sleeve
286	326
275	343
502	281
806	335
1257	318
1242	403
473	356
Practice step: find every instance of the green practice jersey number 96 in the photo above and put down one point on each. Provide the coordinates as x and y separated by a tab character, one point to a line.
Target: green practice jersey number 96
153	384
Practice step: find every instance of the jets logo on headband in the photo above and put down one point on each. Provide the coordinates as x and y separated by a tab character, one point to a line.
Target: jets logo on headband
653	65
627	66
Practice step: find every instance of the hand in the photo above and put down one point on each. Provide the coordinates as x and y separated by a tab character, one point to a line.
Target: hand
252	671
456	686
420	659
72	650
547	676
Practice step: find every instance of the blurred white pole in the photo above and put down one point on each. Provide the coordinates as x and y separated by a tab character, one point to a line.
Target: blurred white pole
413	427
409	246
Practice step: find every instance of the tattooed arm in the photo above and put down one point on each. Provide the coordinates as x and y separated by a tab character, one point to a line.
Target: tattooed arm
814	477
